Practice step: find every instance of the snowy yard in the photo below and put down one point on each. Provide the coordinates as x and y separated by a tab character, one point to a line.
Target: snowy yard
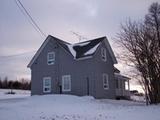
68	107
18	94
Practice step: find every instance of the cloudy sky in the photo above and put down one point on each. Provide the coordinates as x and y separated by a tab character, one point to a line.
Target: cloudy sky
89	18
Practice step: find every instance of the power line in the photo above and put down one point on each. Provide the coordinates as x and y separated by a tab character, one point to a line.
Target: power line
16	55
31	18
27	18
27	15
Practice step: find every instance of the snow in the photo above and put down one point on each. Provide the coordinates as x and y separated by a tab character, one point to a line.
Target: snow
73	52
18	94
91	51
69	107
81	44
138	98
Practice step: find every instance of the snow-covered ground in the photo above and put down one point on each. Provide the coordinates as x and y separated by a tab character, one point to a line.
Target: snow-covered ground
138	98
18	94
68	107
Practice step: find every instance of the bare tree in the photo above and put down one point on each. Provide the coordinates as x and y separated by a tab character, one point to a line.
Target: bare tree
142	42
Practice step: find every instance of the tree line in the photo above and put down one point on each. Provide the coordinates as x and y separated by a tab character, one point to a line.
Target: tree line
23	84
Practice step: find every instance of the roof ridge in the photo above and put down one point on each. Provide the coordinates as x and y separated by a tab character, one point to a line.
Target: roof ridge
59	40
91	40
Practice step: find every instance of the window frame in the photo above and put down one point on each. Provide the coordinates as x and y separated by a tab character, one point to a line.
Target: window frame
44	86
103	54
63	81
51	60
107	81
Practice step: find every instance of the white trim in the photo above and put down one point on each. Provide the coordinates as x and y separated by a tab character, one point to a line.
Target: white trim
49	87
105	83
69	80
51	60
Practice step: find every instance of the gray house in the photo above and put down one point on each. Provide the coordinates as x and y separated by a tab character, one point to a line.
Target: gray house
85	68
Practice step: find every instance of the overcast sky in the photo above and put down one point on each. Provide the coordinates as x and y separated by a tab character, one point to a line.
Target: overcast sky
89	18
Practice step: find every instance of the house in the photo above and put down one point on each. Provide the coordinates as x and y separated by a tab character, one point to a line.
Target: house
84	68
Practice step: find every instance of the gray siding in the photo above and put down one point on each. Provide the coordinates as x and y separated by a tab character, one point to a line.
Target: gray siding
40	69
80	70
104	67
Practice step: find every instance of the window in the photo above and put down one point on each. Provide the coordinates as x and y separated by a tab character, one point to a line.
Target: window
103	54
126	85
51	58
66	83
47	84
105	81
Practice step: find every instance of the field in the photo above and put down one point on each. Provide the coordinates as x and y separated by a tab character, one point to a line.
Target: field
22	106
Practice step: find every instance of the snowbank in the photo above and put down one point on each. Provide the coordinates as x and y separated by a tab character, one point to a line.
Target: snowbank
69	107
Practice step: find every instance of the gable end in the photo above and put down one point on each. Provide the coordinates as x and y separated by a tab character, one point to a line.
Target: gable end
39	51
110	51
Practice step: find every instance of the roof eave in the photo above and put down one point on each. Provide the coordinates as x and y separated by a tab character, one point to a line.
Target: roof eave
122	76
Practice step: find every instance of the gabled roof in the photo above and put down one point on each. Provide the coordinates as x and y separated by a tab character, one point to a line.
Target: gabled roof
79	50
39	51
84	49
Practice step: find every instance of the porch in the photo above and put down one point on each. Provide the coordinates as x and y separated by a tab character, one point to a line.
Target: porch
122	86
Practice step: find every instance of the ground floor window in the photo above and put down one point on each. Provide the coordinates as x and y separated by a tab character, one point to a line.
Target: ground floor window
126	85
47	84
66	83
105	81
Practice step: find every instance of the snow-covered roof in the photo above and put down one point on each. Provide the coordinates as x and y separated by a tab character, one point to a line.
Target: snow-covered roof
83	49
79	50
73	52
91	51
118	75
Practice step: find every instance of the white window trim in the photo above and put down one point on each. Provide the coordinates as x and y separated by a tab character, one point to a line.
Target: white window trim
107	82
44	78
52	60
104	55
66	90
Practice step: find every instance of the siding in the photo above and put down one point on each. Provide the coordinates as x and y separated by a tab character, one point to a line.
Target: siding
40	69
104	67
80	70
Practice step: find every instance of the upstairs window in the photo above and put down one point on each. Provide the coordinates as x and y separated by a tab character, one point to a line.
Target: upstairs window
51	58
103	54
66	83
105	81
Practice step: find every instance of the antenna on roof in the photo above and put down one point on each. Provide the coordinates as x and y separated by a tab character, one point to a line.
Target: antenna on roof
80	37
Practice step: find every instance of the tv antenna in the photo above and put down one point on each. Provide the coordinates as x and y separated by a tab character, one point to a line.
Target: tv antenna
80	37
